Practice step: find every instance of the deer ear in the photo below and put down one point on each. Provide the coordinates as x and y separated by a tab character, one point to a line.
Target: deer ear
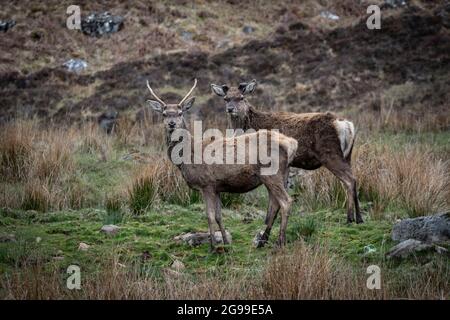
158	107
188	104
221	91
247	88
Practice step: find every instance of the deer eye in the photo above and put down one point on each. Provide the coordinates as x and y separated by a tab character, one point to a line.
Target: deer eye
164	114
227	99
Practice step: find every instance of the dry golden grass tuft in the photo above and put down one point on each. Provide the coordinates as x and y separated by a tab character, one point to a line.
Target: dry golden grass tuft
38	160
410	178
159	180
16	148
305	273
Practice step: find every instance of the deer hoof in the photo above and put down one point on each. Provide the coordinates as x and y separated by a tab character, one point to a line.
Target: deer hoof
220	250
260	239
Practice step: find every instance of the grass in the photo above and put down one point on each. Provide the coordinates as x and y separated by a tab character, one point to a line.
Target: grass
87	184
327	239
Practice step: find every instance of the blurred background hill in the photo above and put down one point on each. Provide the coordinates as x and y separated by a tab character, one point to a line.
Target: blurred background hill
306	56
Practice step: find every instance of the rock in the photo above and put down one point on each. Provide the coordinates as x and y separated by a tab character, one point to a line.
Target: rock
248	29
186	35
8	238
75	65
392	4
329	15
38	239
97	25
435	228
110	229
177	265
411	246
197	238
83	246
107	120
369	249
6	25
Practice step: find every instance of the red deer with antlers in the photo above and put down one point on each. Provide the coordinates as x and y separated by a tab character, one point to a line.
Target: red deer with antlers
323	138
212	179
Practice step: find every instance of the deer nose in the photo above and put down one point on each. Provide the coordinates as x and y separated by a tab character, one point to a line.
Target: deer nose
230	109
172	124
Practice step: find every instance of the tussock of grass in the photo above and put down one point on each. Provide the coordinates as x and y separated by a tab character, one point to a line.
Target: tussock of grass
410	178
160	181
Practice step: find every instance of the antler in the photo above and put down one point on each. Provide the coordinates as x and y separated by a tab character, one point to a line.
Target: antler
154	94
189	93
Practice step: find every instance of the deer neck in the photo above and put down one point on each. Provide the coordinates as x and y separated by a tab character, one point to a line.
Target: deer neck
171	145
253	119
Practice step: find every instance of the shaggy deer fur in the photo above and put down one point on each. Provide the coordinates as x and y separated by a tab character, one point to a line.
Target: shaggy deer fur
324	139
212	179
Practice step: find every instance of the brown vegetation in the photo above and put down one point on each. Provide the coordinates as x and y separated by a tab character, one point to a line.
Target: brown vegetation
304	273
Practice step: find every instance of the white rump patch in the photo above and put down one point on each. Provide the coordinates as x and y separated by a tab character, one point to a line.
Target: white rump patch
346	134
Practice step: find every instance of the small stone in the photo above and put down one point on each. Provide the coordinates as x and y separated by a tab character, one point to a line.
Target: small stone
369	249
99	24
38	239
248	29
75	65
186	35
197	238
6	25
329	15
177	265
110	229
83	246
8	238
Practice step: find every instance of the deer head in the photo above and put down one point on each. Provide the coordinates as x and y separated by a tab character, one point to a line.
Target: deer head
235	102
173	114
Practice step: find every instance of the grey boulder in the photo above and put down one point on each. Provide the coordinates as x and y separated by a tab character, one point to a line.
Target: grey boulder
411	246
197	238
110	229
99	24
435	228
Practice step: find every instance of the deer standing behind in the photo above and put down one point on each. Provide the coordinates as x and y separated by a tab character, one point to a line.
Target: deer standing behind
326	140
212	179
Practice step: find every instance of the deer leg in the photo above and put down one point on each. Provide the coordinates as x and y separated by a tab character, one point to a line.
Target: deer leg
210	204
276	187
219	219
262	239
285	206
342	170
